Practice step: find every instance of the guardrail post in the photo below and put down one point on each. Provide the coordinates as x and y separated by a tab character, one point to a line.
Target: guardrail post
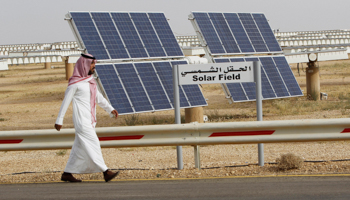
195	115
197	160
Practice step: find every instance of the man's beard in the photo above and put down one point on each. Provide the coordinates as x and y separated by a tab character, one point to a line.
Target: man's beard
91	72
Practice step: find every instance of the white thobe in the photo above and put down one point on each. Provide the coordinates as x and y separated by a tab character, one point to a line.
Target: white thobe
86	155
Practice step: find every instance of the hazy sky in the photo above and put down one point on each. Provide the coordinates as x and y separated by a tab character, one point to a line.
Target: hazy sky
41	21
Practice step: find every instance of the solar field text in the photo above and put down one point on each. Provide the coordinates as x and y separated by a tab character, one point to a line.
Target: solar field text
216	73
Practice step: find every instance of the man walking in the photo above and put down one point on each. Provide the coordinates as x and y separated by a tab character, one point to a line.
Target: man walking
86	155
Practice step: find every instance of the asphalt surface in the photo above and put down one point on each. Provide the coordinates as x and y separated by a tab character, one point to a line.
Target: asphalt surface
204	189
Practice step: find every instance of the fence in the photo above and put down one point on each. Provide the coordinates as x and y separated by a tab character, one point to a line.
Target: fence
185	134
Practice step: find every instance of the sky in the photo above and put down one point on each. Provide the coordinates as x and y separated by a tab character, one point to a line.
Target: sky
42	21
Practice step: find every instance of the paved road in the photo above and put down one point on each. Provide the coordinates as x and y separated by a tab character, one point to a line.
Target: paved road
202	189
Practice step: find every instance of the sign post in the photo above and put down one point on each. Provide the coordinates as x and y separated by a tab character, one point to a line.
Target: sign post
259	114
177	113
217	73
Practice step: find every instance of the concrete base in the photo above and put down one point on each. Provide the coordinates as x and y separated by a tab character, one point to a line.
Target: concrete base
313	81
194	115
69	69
47	65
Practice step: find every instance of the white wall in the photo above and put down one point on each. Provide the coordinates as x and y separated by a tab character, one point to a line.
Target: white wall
3	65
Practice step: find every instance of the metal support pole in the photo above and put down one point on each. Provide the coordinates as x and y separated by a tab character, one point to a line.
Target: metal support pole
180	164
257	77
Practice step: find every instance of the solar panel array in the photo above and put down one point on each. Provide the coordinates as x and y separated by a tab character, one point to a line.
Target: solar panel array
125	36
277	79
134	84
246	33
145	86
236	33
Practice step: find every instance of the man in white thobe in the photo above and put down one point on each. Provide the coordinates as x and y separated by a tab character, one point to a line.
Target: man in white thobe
86	155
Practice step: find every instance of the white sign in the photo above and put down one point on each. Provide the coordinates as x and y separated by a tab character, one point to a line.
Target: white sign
216	73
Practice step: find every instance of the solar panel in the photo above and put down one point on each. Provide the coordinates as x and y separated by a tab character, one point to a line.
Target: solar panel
125	42
223	31
237	92
238	31
113	87
129	35
287	76
110	36
125	36
164	71
235	33
153	86
133	87
249	88
148	35
253	32
165	34
277	80
274	76
224	34
145	86
266	32
89	35
208	31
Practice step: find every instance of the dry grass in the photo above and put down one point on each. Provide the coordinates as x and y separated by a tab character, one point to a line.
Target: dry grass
289	161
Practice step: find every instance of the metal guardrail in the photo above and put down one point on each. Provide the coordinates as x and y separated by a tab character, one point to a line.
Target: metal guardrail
185	134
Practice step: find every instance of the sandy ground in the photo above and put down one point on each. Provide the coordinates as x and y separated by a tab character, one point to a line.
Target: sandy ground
30	97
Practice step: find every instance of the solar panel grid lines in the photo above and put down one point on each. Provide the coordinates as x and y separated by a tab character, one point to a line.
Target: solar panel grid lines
239	32
228	40
235	33
288	76
145	86
134	87
99	33
114	89
130	35
88	34
147	34
267	90
126	35
274	77
153	87
209	33
132	48
110	35
253	32
237	92
165	34
164	70
277	78
266	32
